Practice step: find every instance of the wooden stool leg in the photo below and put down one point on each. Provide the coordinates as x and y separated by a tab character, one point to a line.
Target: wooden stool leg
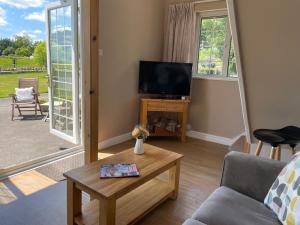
247	146
272	154
278	153
293	149
258	148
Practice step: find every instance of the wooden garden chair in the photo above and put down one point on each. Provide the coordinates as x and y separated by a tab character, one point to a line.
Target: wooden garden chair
27	105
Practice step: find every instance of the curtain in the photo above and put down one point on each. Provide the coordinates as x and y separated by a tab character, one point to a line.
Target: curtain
180	33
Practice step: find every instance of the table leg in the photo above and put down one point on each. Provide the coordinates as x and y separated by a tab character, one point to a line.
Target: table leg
182	120
293	149
184	124
107	212
174	173
73	202
143	116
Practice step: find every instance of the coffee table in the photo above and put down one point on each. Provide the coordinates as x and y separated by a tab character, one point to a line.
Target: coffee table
122	201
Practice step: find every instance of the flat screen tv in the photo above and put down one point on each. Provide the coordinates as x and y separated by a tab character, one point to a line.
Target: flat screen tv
165	79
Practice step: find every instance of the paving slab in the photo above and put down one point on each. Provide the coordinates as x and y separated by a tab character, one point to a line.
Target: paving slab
26	138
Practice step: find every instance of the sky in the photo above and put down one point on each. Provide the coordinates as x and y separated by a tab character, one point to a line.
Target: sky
23	17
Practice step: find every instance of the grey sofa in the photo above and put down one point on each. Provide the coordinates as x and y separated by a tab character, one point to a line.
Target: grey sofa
245	182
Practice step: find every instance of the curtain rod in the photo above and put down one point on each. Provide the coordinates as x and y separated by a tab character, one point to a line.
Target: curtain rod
198	1
205	1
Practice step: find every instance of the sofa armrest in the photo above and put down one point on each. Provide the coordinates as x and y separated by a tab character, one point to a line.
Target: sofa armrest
250	175
193	222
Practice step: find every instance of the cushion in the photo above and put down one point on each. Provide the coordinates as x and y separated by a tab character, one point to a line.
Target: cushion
284	195
228	207
24	94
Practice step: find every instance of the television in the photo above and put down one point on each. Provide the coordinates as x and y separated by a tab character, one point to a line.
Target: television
165	79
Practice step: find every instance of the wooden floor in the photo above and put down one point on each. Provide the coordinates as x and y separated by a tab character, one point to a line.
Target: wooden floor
200	174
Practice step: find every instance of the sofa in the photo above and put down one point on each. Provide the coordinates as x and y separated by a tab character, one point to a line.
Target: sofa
245	182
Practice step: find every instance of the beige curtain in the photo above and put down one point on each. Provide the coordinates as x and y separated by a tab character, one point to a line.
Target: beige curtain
180	33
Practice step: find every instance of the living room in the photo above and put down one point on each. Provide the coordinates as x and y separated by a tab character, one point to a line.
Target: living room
216	171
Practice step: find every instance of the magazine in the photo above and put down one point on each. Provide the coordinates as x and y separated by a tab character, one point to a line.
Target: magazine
119	170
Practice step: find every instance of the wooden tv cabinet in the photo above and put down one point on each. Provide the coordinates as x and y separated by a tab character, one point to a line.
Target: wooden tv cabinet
165	105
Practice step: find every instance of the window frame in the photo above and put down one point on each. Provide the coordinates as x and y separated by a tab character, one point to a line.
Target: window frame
209	14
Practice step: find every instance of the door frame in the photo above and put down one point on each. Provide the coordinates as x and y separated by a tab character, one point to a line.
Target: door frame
88	31
76	139
89	21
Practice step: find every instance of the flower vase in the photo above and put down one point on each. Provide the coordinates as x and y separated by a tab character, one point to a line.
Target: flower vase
139	146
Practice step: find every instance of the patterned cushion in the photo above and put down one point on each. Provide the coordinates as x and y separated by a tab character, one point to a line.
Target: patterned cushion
284	196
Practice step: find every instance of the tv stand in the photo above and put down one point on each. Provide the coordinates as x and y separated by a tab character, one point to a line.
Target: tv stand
169	97
165	105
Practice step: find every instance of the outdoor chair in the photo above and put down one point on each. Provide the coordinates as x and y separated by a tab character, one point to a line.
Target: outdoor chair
31	104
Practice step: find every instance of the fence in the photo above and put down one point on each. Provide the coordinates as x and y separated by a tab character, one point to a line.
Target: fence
10	64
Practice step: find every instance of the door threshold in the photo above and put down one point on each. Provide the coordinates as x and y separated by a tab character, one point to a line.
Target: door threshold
40	162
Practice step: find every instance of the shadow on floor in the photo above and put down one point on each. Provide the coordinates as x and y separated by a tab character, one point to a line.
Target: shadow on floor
34	209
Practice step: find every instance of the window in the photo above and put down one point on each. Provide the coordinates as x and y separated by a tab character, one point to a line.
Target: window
215	54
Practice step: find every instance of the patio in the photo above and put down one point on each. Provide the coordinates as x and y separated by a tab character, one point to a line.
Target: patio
25	139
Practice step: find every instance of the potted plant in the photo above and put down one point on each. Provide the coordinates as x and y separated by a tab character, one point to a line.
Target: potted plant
140	134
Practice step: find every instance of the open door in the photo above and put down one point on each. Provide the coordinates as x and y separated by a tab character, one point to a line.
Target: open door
62	51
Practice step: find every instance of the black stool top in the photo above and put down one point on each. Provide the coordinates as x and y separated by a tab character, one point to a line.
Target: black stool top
288	135
291	135
269	136
291	132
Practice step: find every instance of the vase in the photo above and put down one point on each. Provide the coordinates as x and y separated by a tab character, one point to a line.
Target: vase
139	146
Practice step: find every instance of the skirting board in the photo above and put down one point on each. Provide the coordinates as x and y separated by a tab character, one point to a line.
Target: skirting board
114	141
193	134
213	138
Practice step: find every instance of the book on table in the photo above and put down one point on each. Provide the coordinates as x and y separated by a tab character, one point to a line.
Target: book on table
119	170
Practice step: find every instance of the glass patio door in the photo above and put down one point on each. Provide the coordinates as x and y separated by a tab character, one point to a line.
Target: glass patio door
62	50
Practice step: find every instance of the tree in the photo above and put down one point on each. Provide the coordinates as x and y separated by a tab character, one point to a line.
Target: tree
24	42
24	51
40	54
8	51
37	43
5	43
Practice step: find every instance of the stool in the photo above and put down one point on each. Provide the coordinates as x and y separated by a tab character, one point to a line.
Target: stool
272	138
292	136
288	135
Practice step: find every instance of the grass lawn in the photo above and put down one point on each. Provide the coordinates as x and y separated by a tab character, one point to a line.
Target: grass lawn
8	82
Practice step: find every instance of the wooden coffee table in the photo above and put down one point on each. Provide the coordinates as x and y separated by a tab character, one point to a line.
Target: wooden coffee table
122	200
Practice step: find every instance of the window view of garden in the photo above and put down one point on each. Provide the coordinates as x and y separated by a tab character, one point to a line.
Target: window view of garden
216	55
